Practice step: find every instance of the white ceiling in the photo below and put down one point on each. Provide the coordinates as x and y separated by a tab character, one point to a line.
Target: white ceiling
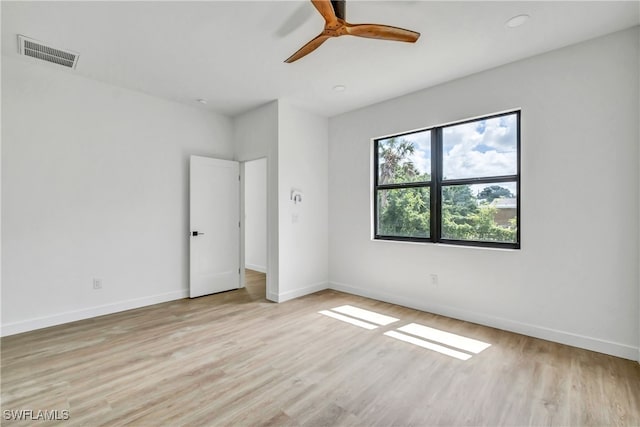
232	52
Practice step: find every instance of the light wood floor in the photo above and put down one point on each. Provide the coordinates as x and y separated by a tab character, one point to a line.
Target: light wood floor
236	359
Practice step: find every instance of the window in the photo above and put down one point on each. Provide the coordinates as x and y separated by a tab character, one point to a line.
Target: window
458	184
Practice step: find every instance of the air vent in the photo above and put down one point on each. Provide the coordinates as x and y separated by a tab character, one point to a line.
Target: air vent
40	50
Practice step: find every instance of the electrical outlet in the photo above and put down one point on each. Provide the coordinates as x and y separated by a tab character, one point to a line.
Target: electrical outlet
97	283
434	279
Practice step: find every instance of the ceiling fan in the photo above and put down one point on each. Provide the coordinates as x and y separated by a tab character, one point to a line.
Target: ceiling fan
335	25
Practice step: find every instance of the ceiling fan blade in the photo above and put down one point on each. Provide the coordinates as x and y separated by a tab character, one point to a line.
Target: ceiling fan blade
384	32
308	48
326	10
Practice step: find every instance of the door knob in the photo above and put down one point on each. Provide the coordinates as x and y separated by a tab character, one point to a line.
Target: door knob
197	233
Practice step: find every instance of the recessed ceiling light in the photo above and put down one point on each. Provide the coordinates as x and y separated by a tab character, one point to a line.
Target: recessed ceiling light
517	20
339	88
201	100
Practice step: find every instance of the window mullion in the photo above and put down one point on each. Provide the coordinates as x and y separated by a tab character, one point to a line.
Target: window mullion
419	184
481	180
436	183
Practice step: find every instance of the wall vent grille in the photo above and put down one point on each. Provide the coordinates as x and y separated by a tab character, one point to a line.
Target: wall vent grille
42	51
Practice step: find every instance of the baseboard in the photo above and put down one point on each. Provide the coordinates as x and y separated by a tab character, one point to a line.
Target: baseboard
258	268
296	293
568	338
87	313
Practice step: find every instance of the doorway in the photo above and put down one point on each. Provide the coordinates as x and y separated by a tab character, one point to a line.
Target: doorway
255	227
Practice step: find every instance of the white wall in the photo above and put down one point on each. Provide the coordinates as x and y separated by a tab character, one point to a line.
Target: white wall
295	143
255	135
94	184
576	278
255	214
303	227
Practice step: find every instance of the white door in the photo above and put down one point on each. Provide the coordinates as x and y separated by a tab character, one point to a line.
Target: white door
215	228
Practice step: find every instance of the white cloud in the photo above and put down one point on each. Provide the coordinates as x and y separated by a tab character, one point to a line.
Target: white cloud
500	133
422	160
479	149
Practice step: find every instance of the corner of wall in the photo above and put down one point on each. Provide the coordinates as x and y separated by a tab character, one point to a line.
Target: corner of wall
255	135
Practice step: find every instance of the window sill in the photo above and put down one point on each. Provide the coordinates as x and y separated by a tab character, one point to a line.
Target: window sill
447	245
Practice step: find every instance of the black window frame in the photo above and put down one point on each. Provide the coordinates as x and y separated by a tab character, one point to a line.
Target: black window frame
437	183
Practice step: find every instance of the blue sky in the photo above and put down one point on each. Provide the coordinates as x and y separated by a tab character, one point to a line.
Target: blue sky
477	149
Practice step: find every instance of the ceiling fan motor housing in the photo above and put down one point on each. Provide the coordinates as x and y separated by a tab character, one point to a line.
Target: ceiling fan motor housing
340	8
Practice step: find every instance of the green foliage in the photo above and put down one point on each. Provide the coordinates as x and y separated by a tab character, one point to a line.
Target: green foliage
494	192
403	212
406	212
459	200
479	226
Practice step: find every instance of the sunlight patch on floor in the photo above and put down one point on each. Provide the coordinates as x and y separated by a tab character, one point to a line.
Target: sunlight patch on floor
446	338
450	344
366	315
348	319
428	345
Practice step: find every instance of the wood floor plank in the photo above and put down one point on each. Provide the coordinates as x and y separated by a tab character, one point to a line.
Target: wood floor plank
236	359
